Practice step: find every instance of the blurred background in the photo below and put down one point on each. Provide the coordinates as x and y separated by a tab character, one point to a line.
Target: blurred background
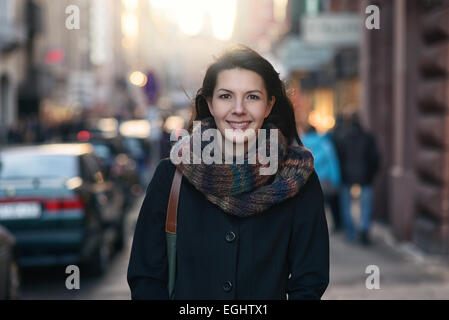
91	89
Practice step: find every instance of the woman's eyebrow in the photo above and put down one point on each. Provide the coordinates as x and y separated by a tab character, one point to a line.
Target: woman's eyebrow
227	90
255	91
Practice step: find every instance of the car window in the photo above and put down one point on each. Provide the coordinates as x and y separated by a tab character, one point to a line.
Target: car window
102	150
20	165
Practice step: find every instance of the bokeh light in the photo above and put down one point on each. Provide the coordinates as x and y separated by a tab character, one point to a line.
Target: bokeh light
138	78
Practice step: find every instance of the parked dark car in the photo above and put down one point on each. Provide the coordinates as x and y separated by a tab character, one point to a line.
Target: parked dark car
119	166
9	268
57	203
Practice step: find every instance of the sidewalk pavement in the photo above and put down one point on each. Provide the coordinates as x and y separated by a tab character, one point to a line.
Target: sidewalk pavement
405	272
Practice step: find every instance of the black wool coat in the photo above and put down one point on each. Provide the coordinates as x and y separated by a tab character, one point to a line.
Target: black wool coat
283	250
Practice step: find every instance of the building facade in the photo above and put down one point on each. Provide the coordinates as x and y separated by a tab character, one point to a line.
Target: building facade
405	80
13	38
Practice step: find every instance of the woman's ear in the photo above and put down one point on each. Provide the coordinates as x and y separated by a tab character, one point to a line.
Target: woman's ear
270	106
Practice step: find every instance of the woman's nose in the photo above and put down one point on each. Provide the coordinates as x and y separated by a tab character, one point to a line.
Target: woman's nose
239	107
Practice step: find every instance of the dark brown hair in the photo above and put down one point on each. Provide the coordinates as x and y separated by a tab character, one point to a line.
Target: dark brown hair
281	115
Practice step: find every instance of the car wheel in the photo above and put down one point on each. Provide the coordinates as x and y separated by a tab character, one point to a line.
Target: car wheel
13	292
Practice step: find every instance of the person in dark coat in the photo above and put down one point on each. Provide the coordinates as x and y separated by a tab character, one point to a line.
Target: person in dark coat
359	161
334	200
241	233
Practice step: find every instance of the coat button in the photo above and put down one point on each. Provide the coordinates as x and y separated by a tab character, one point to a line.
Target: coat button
230	236
227	286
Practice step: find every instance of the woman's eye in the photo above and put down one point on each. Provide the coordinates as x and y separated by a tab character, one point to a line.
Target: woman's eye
225	96
253	97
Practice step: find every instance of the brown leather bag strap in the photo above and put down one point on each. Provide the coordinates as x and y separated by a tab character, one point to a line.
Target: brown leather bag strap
172	208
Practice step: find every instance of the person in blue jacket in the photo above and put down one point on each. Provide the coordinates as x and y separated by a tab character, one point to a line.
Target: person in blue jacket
327	168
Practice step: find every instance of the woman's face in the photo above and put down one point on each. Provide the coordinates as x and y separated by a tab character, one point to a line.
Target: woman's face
239	104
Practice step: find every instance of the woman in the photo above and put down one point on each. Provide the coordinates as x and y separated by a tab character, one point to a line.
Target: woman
240	234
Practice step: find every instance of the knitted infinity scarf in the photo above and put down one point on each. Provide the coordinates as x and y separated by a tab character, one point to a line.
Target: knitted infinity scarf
240	189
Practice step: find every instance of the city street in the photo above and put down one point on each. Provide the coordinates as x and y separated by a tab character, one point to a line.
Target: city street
94	93
404	272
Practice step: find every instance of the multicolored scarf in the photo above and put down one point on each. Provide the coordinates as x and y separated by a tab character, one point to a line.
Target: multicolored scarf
240	189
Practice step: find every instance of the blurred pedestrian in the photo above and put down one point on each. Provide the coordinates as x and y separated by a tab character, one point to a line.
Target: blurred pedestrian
359	161
328	169
333	201
165	144
15	133
240	234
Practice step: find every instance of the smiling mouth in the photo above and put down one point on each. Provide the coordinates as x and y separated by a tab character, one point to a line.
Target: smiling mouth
239	125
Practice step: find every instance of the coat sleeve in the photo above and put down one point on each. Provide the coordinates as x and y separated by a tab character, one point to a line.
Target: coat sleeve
148	266
309	245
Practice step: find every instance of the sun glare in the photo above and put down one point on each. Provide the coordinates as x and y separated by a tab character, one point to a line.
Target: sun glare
190	15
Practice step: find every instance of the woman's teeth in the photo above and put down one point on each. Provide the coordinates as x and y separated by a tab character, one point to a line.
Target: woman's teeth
238	124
